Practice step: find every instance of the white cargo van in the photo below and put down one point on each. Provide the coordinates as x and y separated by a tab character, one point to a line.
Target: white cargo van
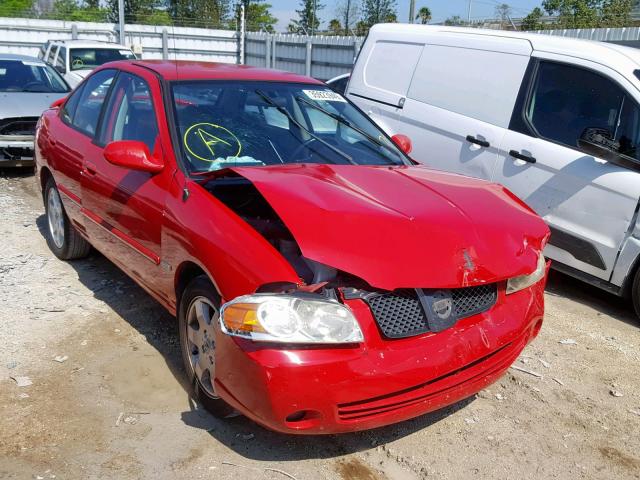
555	120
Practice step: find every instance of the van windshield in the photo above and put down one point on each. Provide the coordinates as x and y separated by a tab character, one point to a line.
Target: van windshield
232	123
90	58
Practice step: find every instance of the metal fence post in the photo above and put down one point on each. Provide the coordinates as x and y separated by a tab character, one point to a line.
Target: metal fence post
165	44
307	63
273	52
267	51
74	31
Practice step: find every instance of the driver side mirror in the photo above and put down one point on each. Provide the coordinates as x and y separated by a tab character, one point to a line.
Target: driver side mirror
133	155
402	142
599	142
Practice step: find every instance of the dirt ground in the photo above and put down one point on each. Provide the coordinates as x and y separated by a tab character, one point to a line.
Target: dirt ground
117	406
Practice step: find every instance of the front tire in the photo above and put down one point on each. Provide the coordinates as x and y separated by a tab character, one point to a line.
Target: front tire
63	239
635	292
198	323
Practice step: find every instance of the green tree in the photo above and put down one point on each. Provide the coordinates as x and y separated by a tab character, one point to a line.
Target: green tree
503	13
454	21
335	27
616	13
16	8
573	13
424	15
258	17
210	13
378	11
73	11
533	20
347	12
307	22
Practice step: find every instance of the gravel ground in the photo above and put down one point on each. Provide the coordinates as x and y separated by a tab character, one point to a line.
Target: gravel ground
108	400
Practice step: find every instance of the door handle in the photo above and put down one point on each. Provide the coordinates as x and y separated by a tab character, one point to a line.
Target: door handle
89	168
522	156
477	141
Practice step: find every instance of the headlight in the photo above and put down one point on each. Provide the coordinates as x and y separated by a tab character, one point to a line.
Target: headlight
289	319
516	284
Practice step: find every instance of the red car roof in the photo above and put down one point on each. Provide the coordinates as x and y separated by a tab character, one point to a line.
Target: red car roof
192	70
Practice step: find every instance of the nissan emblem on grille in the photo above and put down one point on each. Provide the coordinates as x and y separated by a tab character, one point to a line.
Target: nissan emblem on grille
438	306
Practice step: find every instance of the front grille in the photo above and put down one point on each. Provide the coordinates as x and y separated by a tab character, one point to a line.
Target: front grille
18	126
399	314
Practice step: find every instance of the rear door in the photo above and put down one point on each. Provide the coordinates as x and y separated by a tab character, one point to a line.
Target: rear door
588	202
460	101
126	205
70	140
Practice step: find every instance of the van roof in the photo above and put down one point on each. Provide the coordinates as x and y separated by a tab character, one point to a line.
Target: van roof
89	44
585	49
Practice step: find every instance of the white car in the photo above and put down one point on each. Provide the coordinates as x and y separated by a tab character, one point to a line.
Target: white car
75	59
555	120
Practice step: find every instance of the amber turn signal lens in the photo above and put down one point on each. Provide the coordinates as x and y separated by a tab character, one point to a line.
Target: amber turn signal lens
241	317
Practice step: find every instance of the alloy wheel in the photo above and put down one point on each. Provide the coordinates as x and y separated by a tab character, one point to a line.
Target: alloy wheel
201	318
55	217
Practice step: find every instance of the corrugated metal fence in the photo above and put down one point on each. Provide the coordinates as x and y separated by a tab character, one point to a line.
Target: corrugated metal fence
25	36
614	35
317	56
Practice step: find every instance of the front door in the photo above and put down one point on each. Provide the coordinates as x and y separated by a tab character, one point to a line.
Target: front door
588	203
126	205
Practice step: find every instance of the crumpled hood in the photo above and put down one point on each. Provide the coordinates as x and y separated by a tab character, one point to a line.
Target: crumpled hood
403	227
26	104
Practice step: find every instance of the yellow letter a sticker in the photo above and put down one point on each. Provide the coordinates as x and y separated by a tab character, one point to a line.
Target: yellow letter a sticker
210	140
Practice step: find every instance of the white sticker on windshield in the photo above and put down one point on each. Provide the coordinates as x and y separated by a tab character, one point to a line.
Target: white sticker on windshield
3	71
32	64
125	52
324	95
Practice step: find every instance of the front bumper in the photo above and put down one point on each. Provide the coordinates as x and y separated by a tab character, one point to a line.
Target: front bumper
380	382
16	150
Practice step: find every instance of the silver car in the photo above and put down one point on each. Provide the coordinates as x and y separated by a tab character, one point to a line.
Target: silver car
28	87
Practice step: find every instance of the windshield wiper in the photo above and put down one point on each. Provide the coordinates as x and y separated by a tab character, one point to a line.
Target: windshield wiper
291	118
344	121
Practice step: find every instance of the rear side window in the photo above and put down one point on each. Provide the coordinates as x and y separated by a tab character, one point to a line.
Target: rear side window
390	66
130	114
479	84
69	108
91	100
566	100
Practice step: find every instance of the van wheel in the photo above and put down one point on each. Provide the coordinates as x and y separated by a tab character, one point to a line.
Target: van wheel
63	239
198	323
635	292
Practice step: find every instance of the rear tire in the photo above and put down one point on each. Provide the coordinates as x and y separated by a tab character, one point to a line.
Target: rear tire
198	315
635	292
63	239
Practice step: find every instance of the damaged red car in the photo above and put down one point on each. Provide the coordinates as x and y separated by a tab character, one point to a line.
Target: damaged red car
322	281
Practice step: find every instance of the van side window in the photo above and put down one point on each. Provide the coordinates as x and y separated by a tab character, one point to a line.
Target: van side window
480	84
390	66
567	99
61	60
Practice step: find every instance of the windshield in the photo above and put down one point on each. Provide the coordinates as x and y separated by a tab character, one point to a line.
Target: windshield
89	58
26	76
224	124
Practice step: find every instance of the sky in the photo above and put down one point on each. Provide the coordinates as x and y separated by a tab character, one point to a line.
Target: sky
284	10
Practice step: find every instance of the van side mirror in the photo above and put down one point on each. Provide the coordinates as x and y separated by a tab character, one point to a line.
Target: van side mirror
599	142
133	155
402	142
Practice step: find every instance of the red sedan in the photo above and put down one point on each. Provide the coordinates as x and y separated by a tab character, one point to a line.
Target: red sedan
322	281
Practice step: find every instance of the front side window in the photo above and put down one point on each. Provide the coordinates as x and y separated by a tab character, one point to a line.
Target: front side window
130	114
90	58
232	123
90	103
567	100
68	110
30	76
